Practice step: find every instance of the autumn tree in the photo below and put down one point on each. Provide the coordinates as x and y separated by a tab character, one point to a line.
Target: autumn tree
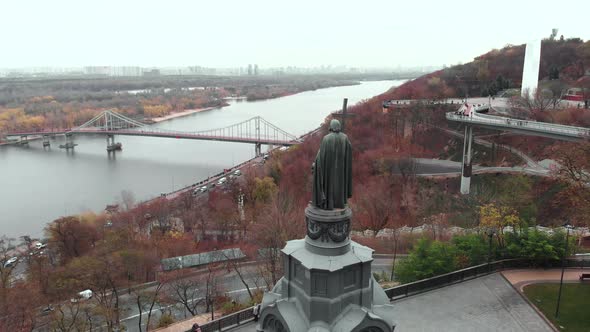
375	204
573	173
234	264
280	221
264	190
146	299
532	105
497	217
19	307
71	237
103	275
127	199
224	214
72	317
213	288
160	212
185	289
6	269
38	272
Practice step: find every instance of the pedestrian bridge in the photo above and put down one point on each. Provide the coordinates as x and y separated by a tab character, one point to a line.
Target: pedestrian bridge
470	116
109	123
550	130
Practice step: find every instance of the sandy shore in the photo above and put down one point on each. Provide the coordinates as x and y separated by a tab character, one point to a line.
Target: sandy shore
183	113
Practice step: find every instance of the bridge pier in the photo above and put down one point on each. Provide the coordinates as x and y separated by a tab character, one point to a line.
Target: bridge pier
467	156
24	140
258	149
46	141
111	145
69	142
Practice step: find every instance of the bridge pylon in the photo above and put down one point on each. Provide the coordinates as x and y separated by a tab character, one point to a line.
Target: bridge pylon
466	167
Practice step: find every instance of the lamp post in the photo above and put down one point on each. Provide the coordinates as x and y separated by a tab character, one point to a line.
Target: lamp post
490	232
567	236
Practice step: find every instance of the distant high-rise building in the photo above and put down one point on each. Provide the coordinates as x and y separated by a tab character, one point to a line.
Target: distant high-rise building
255	70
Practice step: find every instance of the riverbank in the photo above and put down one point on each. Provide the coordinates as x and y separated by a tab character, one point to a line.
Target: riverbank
183	113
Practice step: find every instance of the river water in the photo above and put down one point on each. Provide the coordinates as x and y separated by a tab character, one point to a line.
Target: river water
38	186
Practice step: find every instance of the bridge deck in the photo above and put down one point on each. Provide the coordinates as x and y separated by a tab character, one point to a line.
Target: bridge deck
159	133
255	130
569	133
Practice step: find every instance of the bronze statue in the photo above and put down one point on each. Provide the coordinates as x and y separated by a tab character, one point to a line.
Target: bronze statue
332	170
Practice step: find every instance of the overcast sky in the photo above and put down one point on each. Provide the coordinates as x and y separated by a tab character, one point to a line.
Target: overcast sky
218	33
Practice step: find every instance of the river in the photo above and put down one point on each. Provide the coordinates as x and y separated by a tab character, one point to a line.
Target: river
39	185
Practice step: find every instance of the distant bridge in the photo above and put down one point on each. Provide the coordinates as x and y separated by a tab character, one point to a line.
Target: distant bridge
256	131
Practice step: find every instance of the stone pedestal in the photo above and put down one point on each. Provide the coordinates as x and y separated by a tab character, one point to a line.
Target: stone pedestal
328	285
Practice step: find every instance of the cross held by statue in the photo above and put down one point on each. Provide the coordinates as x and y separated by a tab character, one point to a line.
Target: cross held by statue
343	114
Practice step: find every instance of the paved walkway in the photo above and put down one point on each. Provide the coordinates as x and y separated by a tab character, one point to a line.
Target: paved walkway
484	304
521	278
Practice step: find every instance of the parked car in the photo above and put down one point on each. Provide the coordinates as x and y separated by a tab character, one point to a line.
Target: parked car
222	181
40	245
83	295
47	310
10	262
203	189
237	172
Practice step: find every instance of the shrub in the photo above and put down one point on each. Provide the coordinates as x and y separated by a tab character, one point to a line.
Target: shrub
427	259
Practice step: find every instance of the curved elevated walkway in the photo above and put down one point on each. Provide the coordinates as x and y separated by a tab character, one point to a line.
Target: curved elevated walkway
550	130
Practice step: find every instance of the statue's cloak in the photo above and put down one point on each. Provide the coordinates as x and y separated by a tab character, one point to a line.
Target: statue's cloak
332	171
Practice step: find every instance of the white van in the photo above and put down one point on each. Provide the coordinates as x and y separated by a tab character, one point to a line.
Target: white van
83	295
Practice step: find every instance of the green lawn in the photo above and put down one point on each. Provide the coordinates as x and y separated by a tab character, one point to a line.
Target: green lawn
574	310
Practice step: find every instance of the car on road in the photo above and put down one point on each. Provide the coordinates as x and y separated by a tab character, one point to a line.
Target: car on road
222	181
83	295
40	245
203	189
237	172
47	310
10	262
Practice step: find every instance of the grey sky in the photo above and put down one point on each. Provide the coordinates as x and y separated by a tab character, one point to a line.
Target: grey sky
219	33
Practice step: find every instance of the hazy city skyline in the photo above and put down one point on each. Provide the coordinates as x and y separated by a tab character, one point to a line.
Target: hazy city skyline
65	33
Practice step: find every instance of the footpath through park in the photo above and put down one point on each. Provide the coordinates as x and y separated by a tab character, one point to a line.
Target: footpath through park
522	277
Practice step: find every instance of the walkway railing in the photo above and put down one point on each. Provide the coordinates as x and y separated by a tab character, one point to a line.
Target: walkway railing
231	320
549	128
469	273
